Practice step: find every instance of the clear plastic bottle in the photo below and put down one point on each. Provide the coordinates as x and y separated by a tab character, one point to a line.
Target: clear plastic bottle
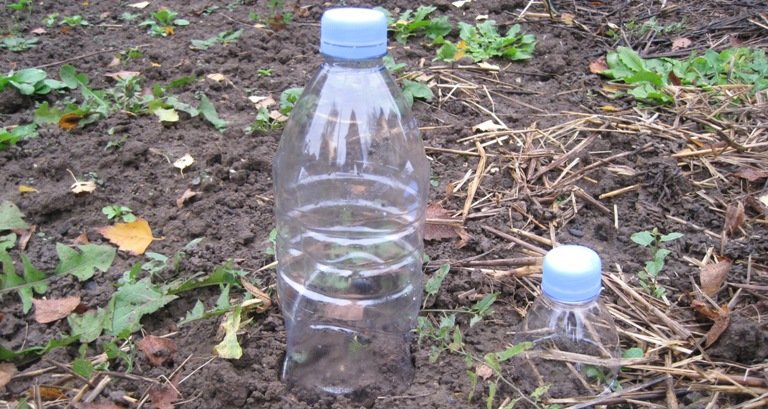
575	343
351	182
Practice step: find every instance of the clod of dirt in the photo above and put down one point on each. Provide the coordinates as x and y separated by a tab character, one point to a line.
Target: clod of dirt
745	341
11	101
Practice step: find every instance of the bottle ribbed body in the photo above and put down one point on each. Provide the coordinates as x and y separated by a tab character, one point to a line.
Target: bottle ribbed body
351	182
575	348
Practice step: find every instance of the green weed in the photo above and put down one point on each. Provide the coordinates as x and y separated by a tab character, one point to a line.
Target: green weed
20	5
278	18
652	240
650	79
483	42
226	37
30	81
163	22
18	44
118	212
411	23
12	135
74	21
267	120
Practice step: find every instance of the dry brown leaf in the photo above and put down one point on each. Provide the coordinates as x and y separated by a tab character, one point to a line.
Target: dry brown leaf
484	371
752	174
567	18
69	121
159	351
188	194
598	66
266	301
680	43
26	189
712	276
119	75
218	77
184	162
38	31
25	235
440	225
488	126
80	186
610	108
262	102
704	309
717	329
7	370
163	395
47	311
133	237
81	239
139	5
49	393
734	217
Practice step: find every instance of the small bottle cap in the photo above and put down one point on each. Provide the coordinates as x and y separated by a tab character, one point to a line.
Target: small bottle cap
353	33
571	274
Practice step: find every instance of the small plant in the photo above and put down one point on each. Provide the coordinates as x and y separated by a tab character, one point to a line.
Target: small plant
278	18
651	78
128	16
226	37
652	25
411	23
118	212
411	89
13	135
74	21
483	42
20	5
18	44
50	20
267	120
264	72
163	22
652	240
30	81
130	54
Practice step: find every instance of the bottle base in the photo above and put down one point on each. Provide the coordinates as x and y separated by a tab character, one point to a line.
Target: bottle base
332	360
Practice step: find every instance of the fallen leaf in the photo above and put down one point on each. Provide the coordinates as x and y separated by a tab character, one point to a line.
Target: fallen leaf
277	116
25	235
69	121
49	393
752	174
115	62
262	102
609	108
139	5
440	225
82	238
26	189
163	395
166	115
598	66
159	351
86	186
460	3
712	276
488	126
486	66
717	329
673	79
120	75
218	77
133	237
7	370
47	311
567	18
184	162
11	217
734	217
229	348
680	43
484	371
265	299
188	194
763	199
38	31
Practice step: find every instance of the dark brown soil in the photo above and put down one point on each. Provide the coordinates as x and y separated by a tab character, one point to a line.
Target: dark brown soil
232	171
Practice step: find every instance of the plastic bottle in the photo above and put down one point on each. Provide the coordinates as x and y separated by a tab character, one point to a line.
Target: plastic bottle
351	182
575	343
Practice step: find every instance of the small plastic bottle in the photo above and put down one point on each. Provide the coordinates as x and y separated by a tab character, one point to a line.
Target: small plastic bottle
351	182
575	343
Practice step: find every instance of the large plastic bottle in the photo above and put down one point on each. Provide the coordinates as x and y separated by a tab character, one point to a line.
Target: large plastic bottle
351	182
575	343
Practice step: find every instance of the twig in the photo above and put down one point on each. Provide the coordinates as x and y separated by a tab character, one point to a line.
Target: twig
515	240
79	57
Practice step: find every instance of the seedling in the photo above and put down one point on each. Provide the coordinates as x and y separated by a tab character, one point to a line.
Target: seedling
226	37
652	25
163	22
267	120
130	54
650	78
411	23
412	90
20	5
264	72
483	42
50	20
11	136
30	81
74	21
18	44
128	16
118	212
278	18
652	240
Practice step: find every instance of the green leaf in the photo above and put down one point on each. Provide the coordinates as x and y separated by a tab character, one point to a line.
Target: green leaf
30	75
195	313
33	276
34	351
491	395
88	326
229	348
630	59
447	52
83	367
11	217
210	114
671	236
181	22
69	76
513	351
418	90
84	264
224	273
643	238
540	391
131	302
633	353
433	284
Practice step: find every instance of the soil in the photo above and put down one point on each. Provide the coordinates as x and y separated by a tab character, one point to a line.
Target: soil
232	173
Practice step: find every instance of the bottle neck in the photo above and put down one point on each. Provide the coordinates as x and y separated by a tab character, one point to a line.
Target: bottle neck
356	64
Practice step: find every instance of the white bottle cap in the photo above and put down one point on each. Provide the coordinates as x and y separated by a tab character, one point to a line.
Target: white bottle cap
571	274
353	33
